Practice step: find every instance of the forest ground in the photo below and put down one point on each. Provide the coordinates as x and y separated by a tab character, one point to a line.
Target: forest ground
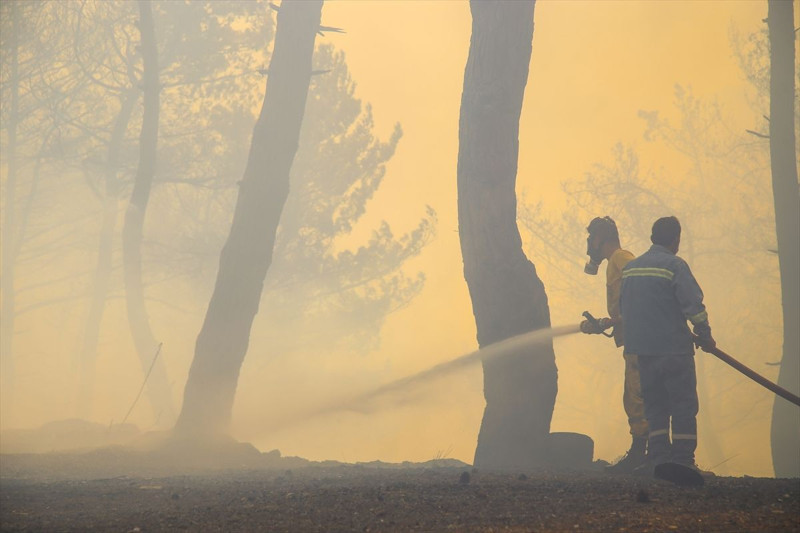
115	489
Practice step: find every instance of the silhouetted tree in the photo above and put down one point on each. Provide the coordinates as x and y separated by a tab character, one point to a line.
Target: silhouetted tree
319	294
507	296
211	58
200	49
112	51
100	282
783	159
339	166
104	46
247	254
146	344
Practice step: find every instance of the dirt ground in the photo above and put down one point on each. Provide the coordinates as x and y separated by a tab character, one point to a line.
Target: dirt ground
118	490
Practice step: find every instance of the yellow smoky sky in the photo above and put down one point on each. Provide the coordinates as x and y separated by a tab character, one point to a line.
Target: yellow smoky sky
594	65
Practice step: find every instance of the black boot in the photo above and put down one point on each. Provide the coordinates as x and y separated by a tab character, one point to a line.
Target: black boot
633	459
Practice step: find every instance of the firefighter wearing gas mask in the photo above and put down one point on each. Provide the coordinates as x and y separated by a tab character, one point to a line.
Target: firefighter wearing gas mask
602	244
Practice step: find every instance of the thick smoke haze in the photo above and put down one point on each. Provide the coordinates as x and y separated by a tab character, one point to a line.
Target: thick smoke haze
632	109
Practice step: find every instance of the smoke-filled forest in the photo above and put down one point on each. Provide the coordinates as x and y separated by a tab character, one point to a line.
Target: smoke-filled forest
266	223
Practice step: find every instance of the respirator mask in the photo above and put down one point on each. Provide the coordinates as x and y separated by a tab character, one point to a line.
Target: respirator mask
594	258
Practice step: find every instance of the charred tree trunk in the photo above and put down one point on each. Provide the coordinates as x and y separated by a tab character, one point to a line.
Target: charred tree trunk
7	308
146	346
247	254
100	282
507	296
783	159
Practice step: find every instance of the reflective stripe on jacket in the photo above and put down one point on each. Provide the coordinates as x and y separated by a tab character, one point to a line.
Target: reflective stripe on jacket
659	294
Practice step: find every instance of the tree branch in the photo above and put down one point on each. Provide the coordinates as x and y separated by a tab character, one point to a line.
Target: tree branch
757	134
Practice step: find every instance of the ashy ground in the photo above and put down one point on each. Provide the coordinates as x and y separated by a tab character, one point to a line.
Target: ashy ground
119	490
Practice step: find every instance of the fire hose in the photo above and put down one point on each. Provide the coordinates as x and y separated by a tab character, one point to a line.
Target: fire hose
755	376
747	371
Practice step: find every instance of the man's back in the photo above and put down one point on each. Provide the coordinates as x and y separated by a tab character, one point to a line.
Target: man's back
658	294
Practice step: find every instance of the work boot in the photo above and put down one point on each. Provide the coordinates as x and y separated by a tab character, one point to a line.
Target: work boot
705	473
634	458
685	475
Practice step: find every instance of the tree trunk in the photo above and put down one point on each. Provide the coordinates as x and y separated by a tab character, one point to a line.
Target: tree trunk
102	277
7	309
247	254
146	346
507	296
783	159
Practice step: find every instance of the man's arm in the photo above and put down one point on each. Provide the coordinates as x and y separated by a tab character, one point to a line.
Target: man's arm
616	263
690	298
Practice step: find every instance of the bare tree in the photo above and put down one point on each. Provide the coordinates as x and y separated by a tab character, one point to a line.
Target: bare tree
146	344
247	254
783	158
313	279
101	280
508	297
339	166
107	48
103	41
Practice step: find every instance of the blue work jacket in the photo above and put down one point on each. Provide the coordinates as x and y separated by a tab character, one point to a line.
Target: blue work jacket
659	294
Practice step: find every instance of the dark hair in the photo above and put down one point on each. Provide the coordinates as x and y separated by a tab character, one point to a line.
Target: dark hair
605	228
665	231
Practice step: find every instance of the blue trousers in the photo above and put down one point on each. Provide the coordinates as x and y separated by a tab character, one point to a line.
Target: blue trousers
669	389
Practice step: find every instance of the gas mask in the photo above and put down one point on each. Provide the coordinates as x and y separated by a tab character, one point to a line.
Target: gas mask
595	258
600	230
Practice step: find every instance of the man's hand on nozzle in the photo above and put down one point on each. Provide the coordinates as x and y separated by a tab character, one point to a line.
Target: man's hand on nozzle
605	323
597	327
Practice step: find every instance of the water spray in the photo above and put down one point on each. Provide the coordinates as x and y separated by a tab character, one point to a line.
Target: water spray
364	402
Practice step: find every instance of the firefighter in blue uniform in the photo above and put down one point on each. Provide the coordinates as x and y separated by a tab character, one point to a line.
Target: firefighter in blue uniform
659	295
